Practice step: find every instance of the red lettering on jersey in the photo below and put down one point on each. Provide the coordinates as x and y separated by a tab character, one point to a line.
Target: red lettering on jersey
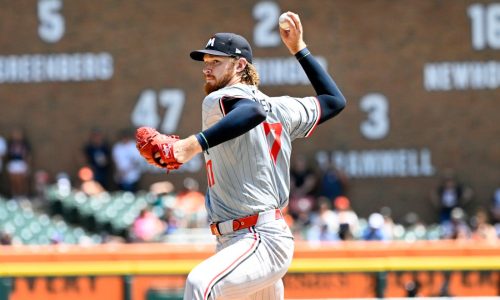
275	130
210	174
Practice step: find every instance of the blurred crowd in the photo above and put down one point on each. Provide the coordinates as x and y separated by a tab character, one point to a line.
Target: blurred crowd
319	208
109	165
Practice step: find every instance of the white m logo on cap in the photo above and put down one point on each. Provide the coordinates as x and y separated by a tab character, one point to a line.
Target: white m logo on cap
210	42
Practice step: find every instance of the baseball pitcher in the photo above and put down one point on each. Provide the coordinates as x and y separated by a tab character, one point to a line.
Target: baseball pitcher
247	142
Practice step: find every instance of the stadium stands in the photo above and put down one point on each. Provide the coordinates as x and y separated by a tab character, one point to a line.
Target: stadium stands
26	226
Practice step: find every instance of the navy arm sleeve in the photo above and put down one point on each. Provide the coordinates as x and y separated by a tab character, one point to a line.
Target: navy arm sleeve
330	98
241	116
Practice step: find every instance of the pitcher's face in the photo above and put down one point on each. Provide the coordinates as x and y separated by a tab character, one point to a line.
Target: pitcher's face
219	71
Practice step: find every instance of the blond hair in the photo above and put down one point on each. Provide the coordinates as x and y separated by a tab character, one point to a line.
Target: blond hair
249	75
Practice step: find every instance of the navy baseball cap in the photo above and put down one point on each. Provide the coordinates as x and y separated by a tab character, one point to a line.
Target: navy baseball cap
225	44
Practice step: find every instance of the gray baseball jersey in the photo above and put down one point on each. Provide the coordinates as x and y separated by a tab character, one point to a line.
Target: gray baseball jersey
250	173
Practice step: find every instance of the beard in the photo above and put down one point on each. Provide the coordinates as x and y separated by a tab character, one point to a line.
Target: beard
218	84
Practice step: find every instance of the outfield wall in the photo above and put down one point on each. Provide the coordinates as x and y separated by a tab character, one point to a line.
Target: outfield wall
340	270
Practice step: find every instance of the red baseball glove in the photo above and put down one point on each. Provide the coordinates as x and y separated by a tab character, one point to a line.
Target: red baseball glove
157	148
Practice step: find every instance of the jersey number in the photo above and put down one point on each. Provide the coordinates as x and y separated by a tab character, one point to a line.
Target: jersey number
210	174
275	130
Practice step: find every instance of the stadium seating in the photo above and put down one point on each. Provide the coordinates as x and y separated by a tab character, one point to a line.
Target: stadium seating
26	226
112	213
73	216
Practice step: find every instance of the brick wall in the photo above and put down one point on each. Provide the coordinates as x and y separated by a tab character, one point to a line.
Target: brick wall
378	46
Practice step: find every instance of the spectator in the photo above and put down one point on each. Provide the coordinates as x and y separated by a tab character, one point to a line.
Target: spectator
348	219
415	227
302	189
495	207
5	238
18	163
127	162
375	229
450	194
170	220
456	228
190	202
147	227
63	184
98	157
164	196
300	210
481	228
302	178
324	223
3	152
88	185
41	183
389	225
333	182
